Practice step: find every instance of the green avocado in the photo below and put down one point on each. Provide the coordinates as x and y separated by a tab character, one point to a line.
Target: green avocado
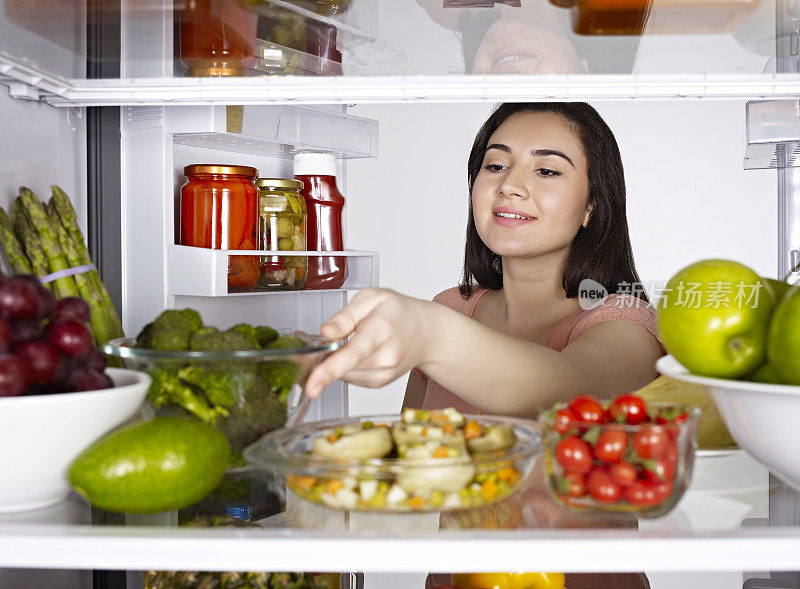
164	464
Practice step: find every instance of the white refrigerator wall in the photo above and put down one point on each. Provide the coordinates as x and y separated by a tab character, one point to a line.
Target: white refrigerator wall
688	196
41	146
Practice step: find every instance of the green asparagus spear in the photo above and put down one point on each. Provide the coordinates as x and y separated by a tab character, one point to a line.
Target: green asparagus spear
31	242
52	248
14	252
103	326
61	204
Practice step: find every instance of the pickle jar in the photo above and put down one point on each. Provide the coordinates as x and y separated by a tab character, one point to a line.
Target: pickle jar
281	226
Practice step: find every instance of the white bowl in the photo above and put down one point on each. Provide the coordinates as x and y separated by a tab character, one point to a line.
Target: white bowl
761	417
41	435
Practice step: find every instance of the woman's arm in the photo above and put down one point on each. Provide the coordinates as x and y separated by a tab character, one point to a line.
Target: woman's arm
415	391
490	370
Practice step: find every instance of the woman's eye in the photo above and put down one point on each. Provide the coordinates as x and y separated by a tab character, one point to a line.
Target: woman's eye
547	173
493	167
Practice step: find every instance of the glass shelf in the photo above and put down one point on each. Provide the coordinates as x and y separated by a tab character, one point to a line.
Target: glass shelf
720	525
687	49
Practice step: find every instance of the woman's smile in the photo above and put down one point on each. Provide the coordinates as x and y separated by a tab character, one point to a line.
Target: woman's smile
511	217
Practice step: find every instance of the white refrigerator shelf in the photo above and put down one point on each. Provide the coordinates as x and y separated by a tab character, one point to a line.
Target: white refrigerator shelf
194	271
279	130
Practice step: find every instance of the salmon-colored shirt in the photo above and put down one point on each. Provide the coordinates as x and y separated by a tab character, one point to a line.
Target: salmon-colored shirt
531	506
616	307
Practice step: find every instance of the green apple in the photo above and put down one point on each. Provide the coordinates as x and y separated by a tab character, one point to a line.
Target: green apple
765	373
783	344
714	316
779	288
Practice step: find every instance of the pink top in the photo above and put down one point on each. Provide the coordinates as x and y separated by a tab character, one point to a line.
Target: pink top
531	507
616	306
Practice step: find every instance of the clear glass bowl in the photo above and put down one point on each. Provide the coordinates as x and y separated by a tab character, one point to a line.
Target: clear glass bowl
259	406
669	460
386	484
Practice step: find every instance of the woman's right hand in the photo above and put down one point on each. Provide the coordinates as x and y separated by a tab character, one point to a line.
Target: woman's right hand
391	334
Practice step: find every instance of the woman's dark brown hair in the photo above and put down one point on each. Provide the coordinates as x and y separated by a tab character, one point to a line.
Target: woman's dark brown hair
600	251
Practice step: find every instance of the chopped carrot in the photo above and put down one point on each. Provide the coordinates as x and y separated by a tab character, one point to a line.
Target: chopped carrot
424	431
472	430
303	483
441	452
489	489
449	428
416	503
439	417
333	486
508	474
332	438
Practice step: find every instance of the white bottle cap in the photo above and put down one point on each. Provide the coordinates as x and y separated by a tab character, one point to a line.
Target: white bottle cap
315	164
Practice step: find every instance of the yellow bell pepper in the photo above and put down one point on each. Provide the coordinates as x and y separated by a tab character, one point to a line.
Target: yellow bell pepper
509	580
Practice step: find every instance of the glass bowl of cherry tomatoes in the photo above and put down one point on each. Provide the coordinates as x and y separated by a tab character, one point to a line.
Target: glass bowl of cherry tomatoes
623	456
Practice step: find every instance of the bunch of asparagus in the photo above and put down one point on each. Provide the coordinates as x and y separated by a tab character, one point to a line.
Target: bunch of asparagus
42	238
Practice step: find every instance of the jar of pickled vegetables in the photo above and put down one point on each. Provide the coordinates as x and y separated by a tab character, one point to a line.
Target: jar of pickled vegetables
281	226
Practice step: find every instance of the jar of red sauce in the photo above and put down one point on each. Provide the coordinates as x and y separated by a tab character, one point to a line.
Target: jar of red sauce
219	210
324	204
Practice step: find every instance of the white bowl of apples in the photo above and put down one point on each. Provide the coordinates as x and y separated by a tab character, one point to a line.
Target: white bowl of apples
56	395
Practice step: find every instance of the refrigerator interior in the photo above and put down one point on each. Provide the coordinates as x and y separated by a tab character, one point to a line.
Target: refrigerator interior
688	194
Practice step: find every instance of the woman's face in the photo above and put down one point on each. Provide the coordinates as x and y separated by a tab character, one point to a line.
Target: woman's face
530	196
518	46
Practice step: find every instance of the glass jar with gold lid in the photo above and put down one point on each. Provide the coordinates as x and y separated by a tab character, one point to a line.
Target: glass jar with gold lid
281	226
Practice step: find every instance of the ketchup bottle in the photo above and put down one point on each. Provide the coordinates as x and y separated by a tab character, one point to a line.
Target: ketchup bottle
324	205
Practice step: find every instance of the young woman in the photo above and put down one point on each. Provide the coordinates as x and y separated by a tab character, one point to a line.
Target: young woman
547	210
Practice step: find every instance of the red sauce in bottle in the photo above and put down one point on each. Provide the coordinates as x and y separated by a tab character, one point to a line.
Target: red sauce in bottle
219	210
324	204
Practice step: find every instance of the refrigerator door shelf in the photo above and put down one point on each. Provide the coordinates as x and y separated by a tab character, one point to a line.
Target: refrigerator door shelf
193	271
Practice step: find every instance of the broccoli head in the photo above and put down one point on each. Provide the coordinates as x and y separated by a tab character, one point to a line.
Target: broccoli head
286	341
265	335
173	328
211	339
248	332
167	388
143	339
278	374
221	388
260	413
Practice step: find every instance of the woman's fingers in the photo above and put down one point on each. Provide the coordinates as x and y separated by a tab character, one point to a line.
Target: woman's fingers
345	321
341	362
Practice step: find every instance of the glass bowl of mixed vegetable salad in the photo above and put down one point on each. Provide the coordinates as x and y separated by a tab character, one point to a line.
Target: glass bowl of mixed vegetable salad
245	380
421	460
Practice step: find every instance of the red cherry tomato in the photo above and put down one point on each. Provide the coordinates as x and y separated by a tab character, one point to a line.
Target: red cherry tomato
643	494
628	408
586	409
651	442
574	455
623	473
663	471
671	453
563	421
601	486
610	446
647	494
576	484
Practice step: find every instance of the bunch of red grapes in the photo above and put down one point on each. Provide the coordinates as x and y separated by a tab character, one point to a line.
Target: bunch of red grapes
46	345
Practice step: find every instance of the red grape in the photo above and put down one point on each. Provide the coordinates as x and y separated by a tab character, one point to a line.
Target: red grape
72	308
14	373
71	337
88	380
18	298
25	331
45	301
94	360
5	336
42	358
